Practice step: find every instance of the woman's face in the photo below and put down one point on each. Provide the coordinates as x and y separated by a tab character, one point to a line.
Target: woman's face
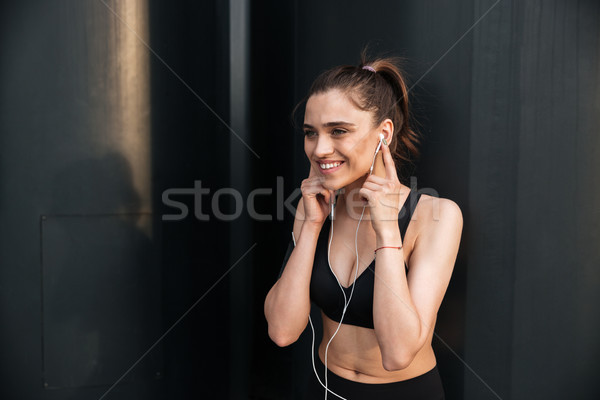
339	139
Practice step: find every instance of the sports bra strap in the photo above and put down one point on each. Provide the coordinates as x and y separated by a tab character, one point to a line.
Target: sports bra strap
404	220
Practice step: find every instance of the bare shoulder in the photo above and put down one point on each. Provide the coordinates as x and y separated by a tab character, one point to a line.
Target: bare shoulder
438	214
438	238
431	209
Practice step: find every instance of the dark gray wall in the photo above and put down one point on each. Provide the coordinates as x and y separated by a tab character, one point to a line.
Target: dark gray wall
532	331
94	127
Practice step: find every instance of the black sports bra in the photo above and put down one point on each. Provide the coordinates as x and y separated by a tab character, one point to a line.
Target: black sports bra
324	289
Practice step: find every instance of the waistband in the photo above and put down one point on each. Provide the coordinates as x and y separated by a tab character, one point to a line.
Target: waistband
427	385
332	375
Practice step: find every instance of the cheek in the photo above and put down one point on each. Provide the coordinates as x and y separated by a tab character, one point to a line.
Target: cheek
357	154
356	150
360	161
307	148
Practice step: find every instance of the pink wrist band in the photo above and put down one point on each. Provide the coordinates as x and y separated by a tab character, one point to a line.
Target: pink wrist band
387	247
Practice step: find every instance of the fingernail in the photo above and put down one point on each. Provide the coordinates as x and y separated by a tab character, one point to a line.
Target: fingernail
385	141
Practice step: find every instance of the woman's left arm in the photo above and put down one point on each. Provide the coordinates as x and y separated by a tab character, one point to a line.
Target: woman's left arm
405	305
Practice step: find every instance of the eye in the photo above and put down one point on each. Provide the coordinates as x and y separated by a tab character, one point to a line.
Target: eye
340	132
309	134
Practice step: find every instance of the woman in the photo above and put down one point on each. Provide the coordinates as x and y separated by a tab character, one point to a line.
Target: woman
382	320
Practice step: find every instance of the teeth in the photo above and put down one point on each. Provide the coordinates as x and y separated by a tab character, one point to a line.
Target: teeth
329	166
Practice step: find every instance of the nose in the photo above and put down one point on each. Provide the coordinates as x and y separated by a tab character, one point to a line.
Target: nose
324	146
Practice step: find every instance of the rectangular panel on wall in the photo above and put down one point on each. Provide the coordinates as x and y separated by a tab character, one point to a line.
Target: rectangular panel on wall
101	300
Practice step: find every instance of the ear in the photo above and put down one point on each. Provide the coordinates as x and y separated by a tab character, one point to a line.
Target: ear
387	128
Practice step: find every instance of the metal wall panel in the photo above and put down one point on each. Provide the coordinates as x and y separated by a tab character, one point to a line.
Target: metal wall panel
98	117
101	300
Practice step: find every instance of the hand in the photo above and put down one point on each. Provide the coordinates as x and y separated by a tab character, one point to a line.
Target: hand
315	198
383	195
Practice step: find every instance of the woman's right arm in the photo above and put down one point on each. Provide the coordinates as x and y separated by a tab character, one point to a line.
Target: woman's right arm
287	305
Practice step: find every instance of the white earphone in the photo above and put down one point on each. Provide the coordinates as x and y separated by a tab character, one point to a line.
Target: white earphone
381	139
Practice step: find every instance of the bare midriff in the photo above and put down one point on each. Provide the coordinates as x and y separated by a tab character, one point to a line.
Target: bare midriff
354	354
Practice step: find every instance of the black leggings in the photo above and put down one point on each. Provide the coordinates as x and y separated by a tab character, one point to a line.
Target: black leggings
423	387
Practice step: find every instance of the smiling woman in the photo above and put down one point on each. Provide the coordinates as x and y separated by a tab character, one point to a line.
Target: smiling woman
383	322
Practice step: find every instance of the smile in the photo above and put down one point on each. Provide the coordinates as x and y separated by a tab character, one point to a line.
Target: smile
330	167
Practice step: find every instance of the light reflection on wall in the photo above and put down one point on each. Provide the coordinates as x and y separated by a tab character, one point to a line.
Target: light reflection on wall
129	71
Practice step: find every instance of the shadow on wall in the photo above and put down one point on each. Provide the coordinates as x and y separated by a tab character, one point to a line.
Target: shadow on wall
100	278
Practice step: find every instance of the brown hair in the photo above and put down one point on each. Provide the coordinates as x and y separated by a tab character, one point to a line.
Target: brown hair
384	93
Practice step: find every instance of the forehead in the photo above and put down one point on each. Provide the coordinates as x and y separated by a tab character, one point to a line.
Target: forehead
333	105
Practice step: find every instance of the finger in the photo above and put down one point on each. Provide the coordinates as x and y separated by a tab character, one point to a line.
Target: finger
388	161
376	179
329	197
313	188
326	195
365	194
315	177
372	186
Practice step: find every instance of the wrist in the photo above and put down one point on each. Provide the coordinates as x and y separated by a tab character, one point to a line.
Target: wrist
389	238
312	227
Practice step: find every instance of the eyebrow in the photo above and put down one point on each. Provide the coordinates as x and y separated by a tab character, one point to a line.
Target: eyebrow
329	124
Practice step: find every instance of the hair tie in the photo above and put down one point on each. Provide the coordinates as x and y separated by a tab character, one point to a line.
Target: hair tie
369	68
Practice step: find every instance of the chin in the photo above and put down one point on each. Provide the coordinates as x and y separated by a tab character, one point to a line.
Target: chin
336	184
331	186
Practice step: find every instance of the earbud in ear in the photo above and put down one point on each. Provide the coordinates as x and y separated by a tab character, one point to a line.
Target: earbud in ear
382	139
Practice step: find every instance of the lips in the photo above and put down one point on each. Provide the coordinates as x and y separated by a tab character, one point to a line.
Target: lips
327	166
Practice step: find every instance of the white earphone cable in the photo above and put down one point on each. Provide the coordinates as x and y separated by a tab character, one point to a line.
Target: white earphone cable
346	303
